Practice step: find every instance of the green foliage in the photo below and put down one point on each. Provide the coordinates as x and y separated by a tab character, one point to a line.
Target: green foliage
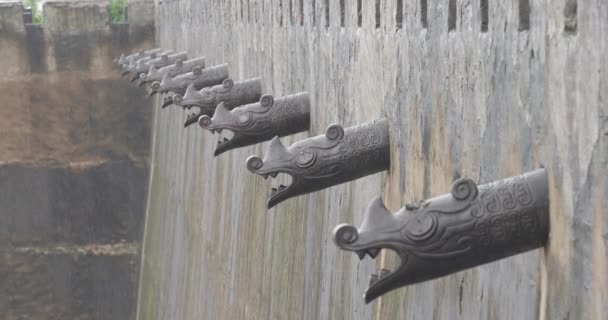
117	10
36	14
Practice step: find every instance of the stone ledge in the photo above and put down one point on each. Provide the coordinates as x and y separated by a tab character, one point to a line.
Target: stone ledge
76	16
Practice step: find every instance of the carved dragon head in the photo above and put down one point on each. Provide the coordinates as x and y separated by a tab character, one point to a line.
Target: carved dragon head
232	94
125	59
317	163
178	83
199	77
468	227
152	75
179	67
142	61
191	97
258	122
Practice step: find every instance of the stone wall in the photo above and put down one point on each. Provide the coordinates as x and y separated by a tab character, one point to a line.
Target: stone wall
472	89
75	141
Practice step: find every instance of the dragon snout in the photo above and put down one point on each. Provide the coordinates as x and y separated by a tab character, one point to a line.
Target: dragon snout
167	102
154	87
177	98
204	121
254	163
344	235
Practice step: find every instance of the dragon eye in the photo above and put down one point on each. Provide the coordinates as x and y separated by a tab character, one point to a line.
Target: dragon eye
306	158
244	119
421	228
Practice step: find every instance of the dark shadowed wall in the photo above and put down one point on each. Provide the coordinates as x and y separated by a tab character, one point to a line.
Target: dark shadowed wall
74	148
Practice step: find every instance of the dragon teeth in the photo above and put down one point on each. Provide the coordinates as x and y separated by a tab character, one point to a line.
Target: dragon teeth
384	273
373	278
373	252
361	254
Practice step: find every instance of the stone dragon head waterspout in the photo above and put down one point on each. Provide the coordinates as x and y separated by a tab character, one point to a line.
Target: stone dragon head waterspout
232	94
200	78
144	65
338	156
468	227
179	67
126	59
132	63
258	122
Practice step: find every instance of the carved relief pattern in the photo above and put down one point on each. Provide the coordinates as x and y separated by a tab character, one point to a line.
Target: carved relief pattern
497	215
287	114
364	144
466	228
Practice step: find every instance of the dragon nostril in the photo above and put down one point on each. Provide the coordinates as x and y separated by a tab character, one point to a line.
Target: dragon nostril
254	163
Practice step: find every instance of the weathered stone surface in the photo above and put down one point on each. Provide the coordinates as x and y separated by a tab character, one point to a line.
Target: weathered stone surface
74	164
461	103
70	284
12	31
84	203
141	13
83	16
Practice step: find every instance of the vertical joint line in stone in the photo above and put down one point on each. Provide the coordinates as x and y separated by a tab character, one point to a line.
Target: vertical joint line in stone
342	14
326	14
256	11
280	13
423	13
378	14
242	13
301	13
359	13
314	13
291	12
262	13
249	11
483	8
451	15
524	15
570	16
399	15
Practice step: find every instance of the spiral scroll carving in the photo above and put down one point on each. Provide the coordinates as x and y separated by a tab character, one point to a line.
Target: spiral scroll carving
345	234
228	84
334	132
464	189
267	101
